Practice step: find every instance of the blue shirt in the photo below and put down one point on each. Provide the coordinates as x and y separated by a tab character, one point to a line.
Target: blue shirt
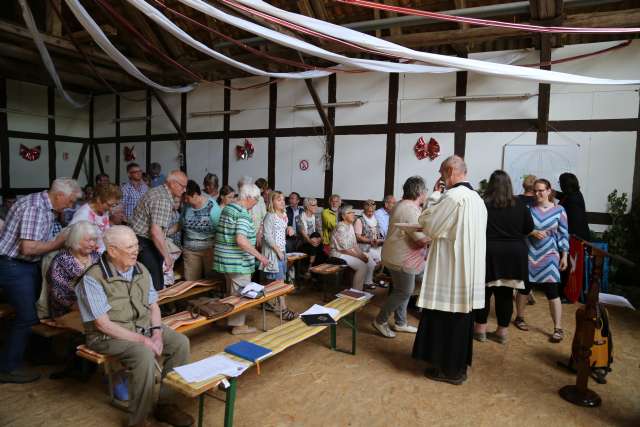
383	220
92	300
157	180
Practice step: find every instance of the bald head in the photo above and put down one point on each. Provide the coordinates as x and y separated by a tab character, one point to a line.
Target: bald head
177	183
453	170
119	235
122	246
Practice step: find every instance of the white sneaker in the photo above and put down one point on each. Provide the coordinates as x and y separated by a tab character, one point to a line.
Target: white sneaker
405	328
384	330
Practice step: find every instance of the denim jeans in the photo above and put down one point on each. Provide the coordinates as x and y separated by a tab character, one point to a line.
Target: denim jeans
20	282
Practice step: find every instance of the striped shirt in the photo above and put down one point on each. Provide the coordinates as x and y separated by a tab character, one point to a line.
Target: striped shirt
228	257
155	207
92	300
130	197
30	218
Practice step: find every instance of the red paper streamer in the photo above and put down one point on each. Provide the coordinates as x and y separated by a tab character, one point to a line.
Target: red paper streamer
488	22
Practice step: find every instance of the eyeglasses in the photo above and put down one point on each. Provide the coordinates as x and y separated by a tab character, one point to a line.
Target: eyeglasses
135	171
129	249
181	184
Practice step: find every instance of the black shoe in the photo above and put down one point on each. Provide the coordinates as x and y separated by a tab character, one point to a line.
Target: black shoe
436	374
19	377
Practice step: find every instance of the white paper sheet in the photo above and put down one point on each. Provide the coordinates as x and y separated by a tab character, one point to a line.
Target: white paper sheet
620	301
252	290
320	309
211	367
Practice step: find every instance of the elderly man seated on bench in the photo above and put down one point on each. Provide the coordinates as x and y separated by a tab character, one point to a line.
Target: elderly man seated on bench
121	318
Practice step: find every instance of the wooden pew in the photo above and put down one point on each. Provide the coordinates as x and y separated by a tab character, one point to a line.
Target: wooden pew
329	271
277	340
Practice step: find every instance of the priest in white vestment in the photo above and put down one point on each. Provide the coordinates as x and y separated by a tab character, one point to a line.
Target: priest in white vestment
454	279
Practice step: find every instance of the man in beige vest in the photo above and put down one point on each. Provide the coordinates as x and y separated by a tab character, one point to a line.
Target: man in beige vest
119	308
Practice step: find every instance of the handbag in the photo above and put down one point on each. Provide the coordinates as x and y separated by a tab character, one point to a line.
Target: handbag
208	307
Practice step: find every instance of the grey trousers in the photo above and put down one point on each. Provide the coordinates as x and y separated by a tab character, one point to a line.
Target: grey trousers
140	362
397	301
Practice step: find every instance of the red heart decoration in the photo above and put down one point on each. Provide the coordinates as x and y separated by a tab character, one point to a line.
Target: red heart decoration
30	154
433	149
129	153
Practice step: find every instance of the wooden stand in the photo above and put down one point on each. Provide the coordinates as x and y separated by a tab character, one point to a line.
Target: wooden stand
586	318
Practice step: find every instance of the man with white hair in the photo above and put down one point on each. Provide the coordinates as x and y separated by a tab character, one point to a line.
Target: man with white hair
25	238
234	252
383	214
121	317
454	278
151	219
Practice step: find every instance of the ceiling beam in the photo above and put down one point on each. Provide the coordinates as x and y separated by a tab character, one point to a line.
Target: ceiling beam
63	46
624	18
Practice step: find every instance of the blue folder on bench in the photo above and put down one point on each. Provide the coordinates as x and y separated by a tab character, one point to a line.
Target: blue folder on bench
248	351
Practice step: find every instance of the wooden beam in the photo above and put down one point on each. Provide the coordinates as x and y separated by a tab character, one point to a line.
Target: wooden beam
331	139
147	131
625	18
83	36
79	163
392	120
4	138
635	192
460	136
544	93
226	126
273	108
183	132
63	46
117	135
168	113
22	53
318	103
23	71
51	128
54	25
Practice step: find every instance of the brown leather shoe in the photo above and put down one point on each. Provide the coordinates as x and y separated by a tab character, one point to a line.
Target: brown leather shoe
173	415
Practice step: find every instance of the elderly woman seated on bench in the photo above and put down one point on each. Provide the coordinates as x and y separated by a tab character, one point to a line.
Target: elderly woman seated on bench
121	318
66	268
345	246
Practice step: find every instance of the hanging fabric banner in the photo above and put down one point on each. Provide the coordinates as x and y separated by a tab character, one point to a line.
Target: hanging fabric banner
386	47
46	58
101	39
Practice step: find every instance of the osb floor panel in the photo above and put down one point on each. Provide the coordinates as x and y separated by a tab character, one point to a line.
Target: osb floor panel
309	385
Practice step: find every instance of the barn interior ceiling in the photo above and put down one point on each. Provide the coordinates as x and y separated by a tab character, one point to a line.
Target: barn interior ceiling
84	67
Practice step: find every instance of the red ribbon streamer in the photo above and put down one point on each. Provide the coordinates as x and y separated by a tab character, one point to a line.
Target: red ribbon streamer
488	22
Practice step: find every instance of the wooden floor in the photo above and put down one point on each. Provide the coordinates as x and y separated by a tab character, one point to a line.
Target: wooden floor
309	385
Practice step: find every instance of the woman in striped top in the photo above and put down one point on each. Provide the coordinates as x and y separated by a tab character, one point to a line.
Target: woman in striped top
548	247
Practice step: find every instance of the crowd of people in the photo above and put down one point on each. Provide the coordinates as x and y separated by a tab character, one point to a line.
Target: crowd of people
105	253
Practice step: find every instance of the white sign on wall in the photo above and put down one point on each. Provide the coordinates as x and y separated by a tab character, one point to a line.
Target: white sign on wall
543	161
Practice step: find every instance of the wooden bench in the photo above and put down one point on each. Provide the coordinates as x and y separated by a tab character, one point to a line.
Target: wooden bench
327	271
201	287
111	366
240	304
277	340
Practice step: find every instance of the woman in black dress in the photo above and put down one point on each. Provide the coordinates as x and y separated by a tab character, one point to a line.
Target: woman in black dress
508	223
572	201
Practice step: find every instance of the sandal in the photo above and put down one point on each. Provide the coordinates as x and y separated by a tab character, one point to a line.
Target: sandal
521	324
558	335
288	314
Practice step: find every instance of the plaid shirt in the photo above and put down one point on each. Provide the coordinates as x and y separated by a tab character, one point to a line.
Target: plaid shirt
130	197
155	207
31	218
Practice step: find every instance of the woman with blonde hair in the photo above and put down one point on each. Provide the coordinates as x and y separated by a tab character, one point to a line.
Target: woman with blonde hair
274	245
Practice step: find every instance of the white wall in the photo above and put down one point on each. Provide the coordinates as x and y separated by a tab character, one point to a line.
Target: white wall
606	159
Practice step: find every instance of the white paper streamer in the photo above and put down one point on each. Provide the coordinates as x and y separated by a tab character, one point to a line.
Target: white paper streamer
381	45
46	58
101	39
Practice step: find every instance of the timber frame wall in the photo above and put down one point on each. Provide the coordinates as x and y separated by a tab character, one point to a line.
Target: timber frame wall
459	127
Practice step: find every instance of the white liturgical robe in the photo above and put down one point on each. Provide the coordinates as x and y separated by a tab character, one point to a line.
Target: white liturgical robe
454	277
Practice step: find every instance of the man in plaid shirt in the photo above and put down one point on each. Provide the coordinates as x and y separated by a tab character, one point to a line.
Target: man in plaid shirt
26	236
151	220
133	190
